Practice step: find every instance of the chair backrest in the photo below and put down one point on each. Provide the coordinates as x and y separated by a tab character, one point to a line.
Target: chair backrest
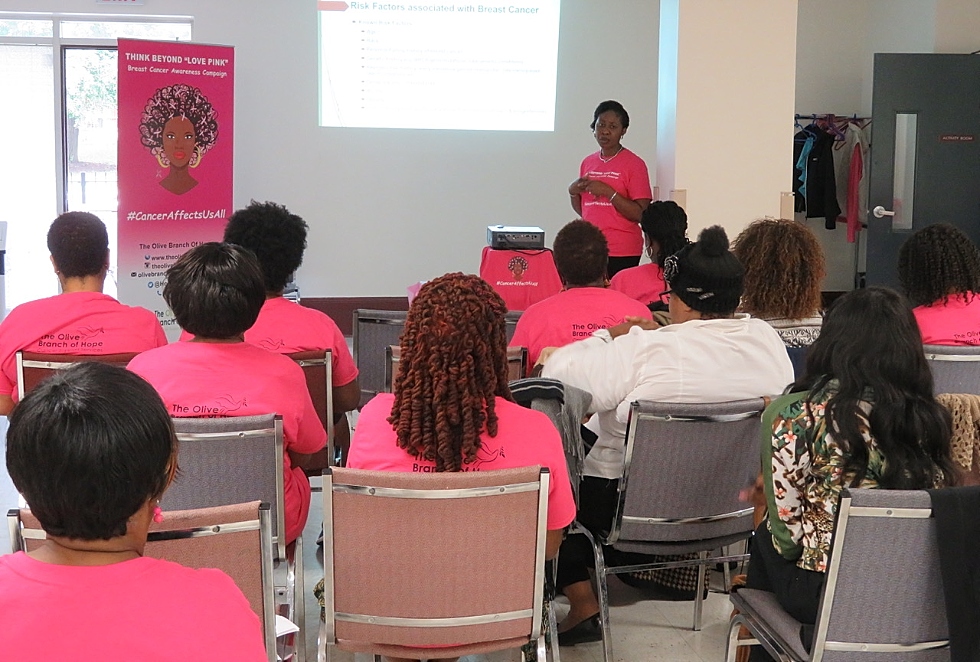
955	368
235	539
510	322
469	563
318	370
33	368
230	460
516	364
685	466
883	593
374	330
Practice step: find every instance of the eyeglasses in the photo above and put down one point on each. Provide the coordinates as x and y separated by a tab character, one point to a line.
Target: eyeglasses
665	297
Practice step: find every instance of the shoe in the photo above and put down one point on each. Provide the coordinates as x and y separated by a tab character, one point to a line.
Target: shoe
585	632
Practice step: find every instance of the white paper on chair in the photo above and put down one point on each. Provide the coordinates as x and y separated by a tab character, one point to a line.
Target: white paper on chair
284	626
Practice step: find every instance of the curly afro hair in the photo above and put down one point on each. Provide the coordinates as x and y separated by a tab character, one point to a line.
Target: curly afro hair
937	261
178	100
276	236
784	267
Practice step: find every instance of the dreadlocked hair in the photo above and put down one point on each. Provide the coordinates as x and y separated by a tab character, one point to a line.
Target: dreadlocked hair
784	265
937	261
453	364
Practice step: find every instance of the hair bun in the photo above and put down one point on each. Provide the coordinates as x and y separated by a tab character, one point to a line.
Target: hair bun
713	241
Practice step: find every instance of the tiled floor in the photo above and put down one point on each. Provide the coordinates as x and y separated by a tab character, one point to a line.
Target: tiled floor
642	630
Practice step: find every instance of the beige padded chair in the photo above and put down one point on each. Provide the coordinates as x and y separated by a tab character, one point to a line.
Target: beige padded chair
516	364
235	539
33	368
235	460
424	565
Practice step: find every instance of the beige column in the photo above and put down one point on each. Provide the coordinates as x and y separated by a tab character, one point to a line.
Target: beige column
725	105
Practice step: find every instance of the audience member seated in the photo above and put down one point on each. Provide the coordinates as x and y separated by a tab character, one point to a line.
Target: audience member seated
784	267
939	268
278	239
705	355
581	255
216	292
863	415
452	409
664	226
92	450
80	320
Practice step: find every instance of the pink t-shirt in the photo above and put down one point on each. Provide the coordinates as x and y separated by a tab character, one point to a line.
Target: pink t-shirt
644	283
572	315
74	323
285	327
956	322
209	380
143	609
627	174
524	438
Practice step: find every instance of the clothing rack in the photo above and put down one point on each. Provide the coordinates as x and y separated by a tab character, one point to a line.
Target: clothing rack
832	123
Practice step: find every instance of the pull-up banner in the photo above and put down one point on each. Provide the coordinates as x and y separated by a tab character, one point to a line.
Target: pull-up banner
176	109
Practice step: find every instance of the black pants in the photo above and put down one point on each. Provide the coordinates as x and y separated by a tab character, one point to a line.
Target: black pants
620	263
597	506
797	590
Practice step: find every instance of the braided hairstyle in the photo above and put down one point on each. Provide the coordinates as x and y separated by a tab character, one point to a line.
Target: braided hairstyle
784	266
453	364
937	261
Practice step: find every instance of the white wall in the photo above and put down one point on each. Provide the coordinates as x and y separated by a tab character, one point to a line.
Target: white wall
729	144
387	208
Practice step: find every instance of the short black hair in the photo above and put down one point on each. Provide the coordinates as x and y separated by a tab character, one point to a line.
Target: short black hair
581	253
614	106
79	243
88	448
215	290
276	236
937	261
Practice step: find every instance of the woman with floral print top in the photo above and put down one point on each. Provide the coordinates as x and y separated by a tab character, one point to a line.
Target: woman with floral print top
862	415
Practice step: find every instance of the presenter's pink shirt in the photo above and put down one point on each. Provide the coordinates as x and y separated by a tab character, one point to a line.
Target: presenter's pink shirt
628	175
143	609
644	283
572	315
74	323
524	438
285	327
955	322
212	380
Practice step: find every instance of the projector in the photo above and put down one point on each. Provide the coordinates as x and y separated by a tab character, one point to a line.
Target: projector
507	236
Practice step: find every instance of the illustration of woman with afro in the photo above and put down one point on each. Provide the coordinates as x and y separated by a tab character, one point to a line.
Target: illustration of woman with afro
179	125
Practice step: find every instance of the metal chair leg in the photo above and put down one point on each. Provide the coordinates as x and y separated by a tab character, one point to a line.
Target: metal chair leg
603	591
699	592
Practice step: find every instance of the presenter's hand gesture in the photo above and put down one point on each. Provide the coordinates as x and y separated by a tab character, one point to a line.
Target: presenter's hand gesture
579	186
599	189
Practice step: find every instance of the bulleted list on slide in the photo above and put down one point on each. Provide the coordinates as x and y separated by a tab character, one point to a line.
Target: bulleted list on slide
437	65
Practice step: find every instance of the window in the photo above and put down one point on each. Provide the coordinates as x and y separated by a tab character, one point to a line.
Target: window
61	132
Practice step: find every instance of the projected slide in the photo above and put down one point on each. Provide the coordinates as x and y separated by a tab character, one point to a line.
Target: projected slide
434	65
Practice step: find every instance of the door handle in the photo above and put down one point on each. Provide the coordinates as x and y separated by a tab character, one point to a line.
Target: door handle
881	212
